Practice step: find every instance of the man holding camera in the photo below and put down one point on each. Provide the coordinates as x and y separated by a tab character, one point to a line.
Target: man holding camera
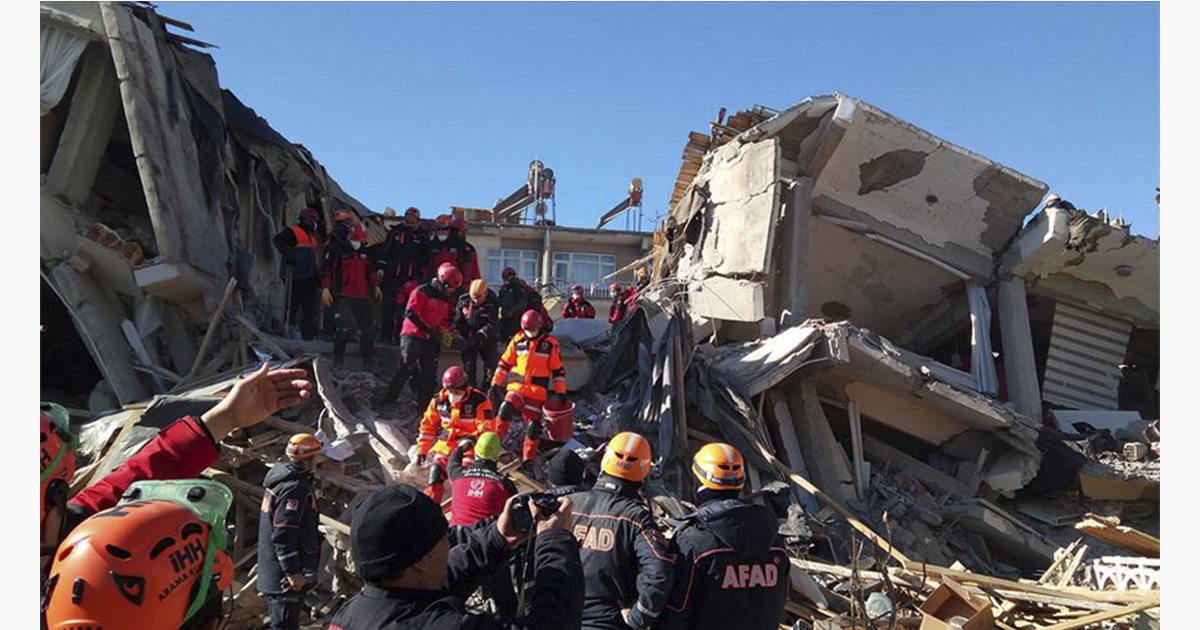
416	579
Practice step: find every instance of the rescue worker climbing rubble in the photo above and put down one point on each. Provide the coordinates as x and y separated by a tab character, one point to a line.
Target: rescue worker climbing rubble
616	311
733	567
477	321
445	247
183	449
577	306
426	323
628	565
300	269
289	545
401	264
350	283
533	359
457	411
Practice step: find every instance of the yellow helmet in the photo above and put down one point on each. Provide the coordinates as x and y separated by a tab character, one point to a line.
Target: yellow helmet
303	445
627	457
719	467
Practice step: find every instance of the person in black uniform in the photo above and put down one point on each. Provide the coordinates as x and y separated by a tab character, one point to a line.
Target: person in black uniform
564	471
416	579
732	569
289	545
628	564
477	321
401	262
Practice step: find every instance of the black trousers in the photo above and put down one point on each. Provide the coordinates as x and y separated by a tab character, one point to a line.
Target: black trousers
284	611
354	314
304	305
499	586
488	353
389	328
418	362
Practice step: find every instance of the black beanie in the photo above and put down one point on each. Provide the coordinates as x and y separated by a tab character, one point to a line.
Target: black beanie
564	469
392	529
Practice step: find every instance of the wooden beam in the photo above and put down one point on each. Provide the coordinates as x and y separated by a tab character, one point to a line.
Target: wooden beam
209	334
1096	618
1001	583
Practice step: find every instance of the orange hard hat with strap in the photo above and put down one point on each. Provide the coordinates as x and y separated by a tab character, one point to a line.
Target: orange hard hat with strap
627	456
719	466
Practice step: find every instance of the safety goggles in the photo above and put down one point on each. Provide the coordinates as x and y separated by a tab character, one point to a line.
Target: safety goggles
208	500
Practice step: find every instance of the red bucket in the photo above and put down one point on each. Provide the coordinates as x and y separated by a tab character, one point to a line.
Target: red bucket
560	420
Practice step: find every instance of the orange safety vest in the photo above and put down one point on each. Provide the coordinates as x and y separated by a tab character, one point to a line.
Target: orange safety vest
537	361
472	416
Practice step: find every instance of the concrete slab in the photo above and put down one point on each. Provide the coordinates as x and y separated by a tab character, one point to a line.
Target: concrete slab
743	207
178	283
717	297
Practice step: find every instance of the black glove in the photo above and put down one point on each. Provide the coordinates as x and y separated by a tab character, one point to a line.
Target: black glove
421	460
496	395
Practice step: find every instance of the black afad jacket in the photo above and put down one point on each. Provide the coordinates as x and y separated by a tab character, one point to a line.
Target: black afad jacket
627	562
732	570
288	540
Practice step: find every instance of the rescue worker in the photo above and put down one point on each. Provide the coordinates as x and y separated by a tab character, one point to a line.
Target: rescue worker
350	280
577	307
513	299
155	560
289	545
457	411
732	569
477	321
444	248
182	450
616	311
417	579
478	492
301	270
403	257
467	256
628	565
532	356
426	323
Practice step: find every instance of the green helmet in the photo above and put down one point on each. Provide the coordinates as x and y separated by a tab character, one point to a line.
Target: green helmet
488	446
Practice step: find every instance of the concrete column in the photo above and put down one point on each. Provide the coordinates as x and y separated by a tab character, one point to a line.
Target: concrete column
1020	367
94	109
98	315
547	259
793	260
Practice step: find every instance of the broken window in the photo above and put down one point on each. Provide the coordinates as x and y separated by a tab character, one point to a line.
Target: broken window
68	373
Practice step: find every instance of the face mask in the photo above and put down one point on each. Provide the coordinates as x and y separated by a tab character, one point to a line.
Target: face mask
455	397
576	296
441	236
355	245
531	333
613	295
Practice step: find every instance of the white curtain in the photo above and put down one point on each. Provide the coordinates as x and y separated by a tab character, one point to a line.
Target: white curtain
983	365
60	52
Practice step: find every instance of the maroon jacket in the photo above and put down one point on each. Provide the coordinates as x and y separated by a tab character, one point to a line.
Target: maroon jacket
348	273
180	451
618	308
582	309
429	309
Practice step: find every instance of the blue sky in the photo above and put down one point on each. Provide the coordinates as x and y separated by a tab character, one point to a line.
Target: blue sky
445	104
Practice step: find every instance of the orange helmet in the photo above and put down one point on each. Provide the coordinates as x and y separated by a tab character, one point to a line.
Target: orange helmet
719	467
627	456
478	290
303	445
58	459
342	215
154	563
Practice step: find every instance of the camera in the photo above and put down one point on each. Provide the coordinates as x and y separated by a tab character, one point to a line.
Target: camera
546	506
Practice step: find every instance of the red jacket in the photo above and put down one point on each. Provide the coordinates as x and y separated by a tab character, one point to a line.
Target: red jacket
429	309
457	252
582	309
180	451
348	273
618	308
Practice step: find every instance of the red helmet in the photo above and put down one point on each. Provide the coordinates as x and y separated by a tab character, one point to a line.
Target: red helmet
531	319
449	275
58	465
616	286
140	561
508	273
578	288
444	222
455	377
459	224
358	233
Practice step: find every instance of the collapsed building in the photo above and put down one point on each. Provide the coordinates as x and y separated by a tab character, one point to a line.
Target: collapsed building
868	312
